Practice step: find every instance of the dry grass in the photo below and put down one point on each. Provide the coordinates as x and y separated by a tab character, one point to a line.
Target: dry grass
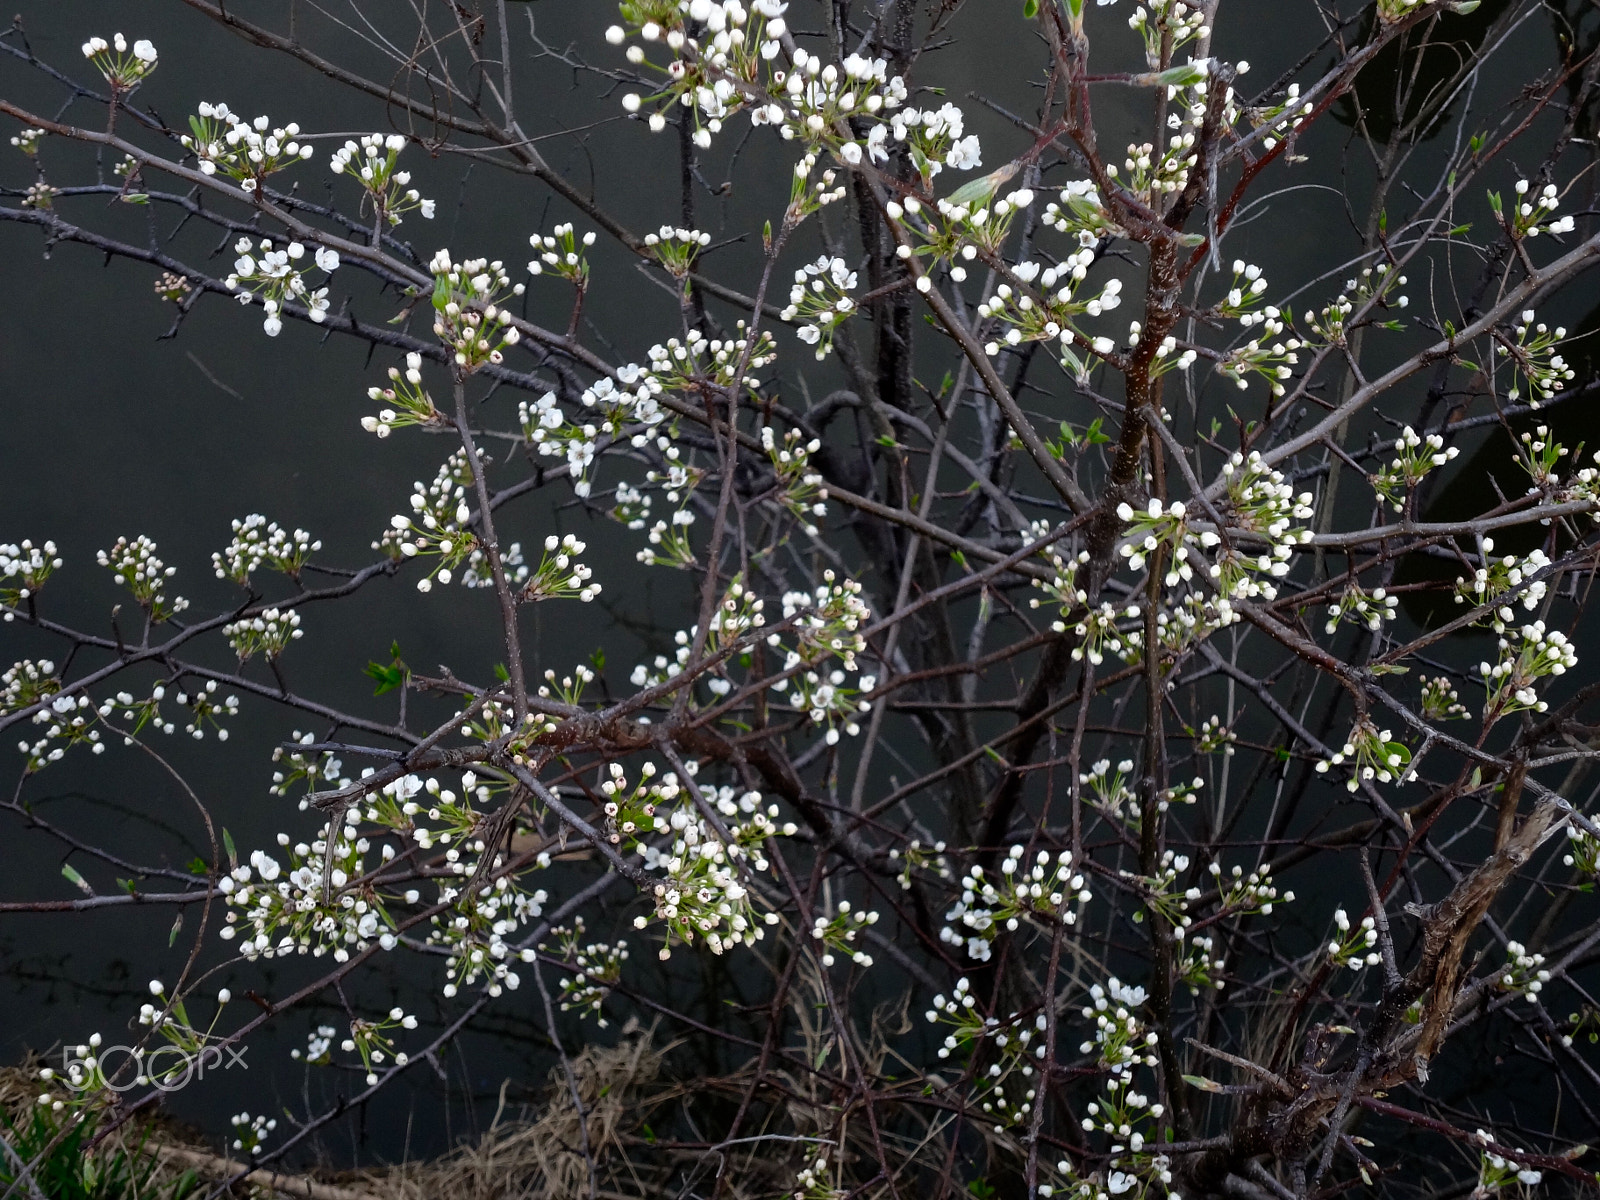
536	1154
541	1155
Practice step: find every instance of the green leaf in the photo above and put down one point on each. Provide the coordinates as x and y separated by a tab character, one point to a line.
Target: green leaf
1186	75
1030	9
227	844
388	678
502	673
71	876
177	927
1201	1082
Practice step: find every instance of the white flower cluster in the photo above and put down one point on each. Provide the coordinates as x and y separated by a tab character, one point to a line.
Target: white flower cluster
706	891
830	625
405	389
1261	502
934	139
372	163
1415	456
476	931
258	542
252	1131
839	933
370	1040
1110	790
67	719
282	911
1273	362
245	151
276	276
1495	1171
1372	608
29	565
811	1180
319	1042
1014	1053
1246	893
1120	1040
827	700
268	633
1530	210
1353	947
1524	972
28	141
1048	892
26	683
724	61
1440	700
1583	850
438	524
469	317
676	248
1493	584
561	252
1246	290
820	97
205	707
622	408
597	967
735	44
1372	755
560	573
1510	682
821	299
1051	316
1175	20
123	66
801	488
1158	525
137	568
1534	360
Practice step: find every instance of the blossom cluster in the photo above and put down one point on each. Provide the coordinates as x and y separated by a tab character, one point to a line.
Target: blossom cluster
372	163
29	566
1415	456
136	567
276	276
282	911
1372	754
268	633
705	891
258	542
1535	654
622	408
245	151
1050	890
469	317
597	968
821	299
124	66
